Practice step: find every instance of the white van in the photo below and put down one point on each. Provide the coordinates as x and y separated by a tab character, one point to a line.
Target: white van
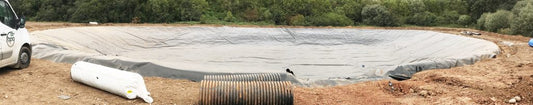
15	46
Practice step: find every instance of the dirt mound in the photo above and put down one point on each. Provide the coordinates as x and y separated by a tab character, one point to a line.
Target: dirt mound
44	81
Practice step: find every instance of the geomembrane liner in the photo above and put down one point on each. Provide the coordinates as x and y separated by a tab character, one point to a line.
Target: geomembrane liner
318	56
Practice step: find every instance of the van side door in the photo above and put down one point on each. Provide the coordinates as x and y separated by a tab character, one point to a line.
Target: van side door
7	31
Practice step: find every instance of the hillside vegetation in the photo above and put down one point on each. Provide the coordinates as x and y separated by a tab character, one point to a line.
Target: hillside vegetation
503	16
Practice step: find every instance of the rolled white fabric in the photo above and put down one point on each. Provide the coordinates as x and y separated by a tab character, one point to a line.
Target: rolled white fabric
123	83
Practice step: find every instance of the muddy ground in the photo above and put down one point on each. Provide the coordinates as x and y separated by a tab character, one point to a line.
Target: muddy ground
491	81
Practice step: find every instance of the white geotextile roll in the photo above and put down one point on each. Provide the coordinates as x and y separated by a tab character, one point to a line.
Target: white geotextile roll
126	84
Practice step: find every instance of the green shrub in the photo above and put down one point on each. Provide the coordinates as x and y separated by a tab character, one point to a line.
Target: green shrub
251	14
229	17
298	20
158	11
266	15
416	6
208	19
378	15
523	22
190	10
350	8
448	17
464	20
480	24
519	5
331	19
504	30
50	10
499	19
423	19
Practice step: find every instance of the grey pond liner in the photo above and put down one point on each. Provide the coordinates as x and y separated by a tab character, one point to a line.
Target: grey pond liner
318	56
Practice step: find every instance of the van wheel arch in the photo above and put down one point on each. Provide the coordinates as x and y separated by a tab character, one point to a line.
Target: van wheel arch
24	57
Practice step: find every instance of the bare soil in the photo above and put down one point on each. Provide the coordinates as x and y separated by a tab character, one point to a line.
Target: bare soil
491	81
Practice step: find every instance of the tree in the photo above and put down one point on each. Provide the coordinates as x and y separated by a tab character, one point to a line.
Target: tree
120	11
519	5
478	7
190	10
229	17
280	12
416	6
351	9
317	7
378	15
523	23
286	12
53	10
464	20
481	21
498	20
423	19
266	15
298	20
208	18
155	11
87	10
251	14
26	8
448	17
331	19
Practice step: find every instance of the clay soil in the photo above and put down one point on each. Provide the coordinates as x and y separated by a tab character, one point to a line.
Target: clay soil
490	81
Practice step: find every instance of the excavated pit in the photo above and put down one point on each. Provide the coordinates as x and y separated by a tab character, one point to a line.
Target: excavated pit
318	56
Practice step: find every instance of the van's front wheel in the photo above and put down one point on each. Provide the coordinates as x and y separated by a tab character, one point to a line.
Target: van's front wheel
24	58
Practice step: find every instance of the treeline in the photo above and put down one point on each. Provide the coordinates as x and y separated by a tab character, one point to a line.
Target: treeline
504	16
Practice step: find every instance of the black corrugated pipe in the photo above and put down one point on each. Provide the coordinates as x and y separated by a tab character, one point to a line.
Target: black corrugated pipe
246	93
246	77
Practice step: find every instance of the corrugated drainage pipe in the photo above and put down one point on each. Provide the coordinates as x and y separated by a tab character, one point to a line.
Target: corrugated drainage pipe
246	93
245	77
